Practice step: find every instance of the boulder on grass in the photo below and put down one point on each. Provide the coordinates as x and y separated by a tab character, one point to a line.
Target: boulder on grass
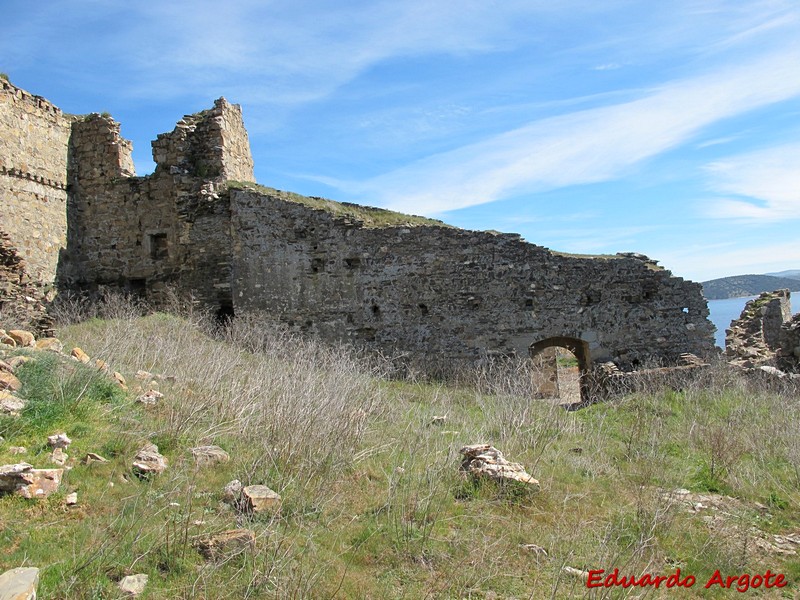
9	381
148	461
49	343
10	404
133	585
486	461
19	584
58	440
207	456
260	499
226	544
22	337
80	355
22	479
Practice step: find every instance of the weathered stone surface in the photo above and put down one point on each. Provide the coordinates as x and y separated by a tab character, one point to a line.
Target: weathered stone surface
226	543
754	338
4	366
22	337
260	499
80	355
10	404
59	457
19	584
484	460
71	499
205	456
8	381
232	492
24	480
50	343
133	585
17	450
120	380
150	398
58	440
93	457
6	339
148	461
16	361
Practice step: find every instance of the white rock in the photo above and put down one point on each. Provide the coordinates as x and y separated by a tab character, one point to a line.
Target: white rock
133	585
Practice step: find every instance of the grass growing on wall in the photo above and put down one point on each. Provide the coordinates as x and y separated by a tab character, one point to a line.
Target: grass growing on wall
370	216
373	504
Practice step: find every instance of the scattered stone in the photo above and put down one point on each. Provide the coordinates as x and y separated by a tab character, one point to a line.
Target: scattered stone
150	398
438	420
7	339
72	499
24	480
4	366
484	460
260	499
92	457
10	404
120	380
58	440
226	544
578	450
80	355
133	585
143	375
205	456
16	361
534	549
22	337
148	461
17	450
59	457
50	343
101	365
19	584
232	492
575	572
8	381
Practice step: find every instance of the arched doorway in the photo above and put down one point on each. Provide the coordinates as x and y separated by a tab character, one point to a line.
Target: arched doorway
559	369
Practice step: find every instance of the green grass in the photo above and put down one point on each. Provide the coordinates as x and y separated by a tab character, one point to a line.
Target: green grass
373	503
368	215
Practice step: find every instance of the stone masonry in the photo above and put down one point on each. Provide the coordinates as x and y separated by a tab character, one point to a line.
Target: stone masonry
408	287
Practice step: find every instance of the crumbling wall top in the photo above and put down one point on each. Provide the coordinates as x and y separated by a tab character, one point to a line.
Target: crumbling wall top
211	143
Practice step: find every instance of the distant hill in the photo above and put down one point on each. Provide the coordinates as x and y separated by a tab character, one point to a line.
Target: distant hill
791	274
748	285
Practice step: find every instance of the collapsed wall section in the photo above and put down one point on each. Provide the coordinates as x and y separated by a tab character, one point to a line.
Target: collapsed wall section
450	295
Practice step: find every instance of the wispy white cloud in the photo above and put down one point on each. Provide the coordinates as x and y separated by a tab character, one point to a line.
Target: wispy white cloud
765	185
586	146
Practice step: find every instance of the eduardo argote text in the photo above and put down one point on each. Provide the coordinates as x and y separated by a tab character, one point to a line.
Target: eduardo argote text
741	582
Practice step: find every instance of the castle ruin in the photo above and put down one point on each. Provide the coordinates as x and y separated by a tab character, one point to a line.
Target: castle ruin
75	216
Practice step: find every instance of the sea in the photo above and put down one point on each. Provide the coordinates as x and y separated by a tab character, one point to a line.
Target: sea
722	312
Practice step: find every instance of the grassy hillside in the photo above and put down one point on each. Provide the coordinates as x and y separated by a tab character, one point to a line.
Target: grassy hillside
746	285
373	504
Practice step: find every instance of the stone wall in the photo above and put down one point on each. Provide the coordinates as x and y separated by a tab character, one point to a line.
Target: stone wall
418	290
33	179
170	229
447	294
754	338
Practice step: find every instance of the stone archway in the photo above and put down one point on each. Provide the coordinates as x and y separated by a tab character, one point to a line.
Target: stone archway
545	366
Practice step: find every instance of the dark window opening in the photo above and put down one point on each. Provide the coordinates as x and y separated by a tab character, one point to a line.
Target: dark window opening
529	303
423	309
352	263
158	246
225	313
376	310
317	265
137	287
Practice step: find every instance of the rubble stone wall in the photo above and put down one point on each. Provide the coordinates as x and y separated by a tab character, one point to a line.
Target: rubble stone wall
33	179
450	294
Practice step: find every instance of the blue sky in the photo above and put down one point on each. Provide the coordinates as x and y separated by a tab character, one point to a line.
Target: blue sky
666	128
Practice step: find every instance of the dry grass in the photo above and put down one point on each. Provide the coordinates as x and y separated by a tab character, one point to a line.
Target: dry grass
373	504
